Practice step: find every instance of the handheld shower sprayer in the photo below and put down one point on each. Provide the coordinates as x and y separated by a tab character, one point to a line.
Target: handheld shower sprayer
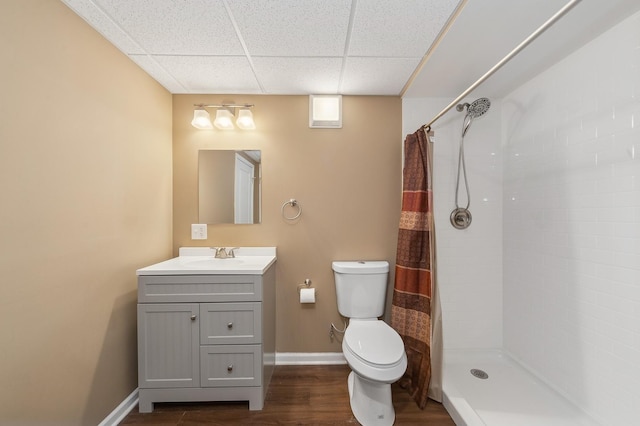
475	109
478	107
461	217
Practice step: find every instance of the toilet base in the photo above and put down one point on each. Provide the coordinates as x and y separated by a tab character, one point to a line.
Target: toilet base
370	401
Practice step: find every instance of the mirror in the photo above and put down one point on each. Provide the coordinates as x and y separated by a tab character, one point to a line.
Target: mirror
229	186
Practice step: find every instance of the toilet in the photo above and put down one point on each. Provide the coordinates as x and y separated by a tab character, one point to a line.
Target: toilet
374	351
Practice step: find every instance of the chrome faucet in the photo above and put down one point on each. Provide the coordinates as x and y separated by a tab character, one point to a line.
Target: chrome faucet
223	253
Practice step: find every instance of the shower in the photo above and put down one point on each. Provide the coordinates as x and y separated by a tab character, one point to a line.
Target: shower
461	216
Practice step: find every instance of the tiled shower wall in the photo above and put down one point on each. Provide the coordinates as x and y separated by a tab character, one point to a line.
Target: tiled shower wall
572	225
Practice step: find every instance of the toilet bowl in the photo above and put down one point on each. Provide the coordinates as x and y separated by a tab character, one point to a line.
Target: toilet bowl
376	355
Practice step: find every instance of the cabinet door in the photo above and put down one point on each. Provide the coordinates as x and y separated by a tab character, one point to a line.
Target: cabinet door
231	365
168	345
230	323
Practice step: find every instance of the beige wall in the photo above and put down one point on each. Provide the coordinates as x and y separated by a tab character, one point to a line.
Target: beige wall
85	190
348	182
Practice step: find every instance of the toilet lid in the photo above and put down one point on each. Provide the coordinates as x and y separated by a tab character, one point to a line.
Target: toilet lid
374	342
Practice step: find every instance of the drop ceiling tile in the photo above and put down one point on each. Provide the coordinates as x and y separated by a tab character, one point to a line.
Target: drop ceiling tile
308	28
158	73
398	28
102	23
376	76
187	27
294	76
211	74
293	27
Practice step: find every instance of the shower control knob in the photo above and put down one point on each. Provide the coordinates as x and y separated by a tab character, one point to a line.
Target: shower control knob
460	218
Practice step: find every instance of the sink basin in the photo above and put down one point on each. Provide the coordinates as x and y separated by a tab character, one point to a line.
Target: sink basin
200	261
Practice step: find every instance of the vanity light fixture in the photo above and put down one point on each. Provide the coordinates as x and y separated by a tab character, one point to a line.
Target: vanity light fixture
245	119
201	119
325	111
224	116
224	119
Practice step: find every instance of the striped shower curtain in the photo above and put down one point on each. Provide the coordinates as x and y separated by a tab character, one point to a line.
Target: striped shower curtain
415	309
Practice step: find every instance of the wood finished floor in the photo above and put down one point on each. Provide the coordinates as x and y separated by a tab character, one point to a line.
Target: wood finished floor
298	395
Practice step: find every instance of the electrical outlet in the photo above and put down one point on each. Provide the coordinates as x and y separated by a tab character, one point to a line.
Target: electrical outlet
198	231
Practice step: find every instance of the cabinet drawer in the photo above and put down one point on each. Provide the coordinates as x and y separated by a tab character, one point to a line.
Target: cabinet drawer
199	288
230	323
230	365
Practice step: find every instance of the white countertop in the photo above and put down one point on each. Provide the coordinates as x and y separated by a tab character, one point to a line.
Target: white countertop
201	261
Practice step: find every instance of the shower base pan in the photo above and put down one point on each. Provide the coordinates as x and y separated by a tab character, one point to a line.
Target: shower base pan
500	392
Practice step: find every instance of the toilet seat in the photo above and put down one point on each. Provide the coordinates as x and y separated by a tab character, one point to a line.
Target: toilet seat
374	350
374	342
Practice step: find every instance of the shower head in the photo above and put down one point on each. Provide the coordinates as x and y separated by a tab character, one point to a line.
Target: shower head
474	110
478	107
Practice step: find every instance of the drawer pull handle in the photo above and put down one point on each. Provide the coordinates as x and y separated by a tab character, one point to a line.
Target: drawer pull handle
230	325
230	368
193	317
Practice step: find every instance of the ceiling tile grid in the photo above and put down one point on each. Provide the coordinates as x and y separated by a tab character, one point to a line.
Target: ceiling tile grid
368	47
351	47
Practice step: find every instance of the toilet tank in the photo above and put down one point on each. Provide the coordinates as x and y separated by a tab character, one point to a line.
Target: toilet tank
361	288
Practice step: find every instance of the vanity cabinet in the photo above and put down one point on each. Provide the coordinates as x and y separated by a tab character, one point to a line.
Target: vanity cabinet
205	338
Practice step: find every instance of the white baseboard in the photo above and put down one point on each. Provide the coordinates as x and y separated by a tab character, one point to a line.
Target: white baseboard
282	358
121	411
310	358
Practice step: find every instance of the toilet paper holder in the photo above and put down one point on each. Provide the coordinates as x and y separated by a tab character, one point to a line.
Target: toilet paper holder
306	293
306	284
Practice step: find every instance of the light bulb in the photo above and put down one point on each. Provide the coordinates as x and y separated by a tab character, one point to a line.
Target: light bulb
224	119
201	119
245	119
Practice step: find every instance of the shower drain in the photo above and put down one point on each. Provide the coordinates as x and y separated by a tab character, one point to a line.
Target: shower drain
479	373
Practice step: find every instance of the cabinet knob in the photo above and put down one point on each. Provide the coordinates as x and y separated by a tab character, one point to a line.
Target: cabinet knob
193	317
230	325
230	368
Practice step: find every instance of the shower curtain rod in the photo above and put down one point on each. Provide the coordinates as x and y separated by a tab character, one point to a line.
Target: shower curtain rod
504	60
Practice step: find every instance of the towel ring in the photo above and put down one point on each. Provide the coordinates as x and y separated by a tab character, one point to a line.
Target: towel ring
293	203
